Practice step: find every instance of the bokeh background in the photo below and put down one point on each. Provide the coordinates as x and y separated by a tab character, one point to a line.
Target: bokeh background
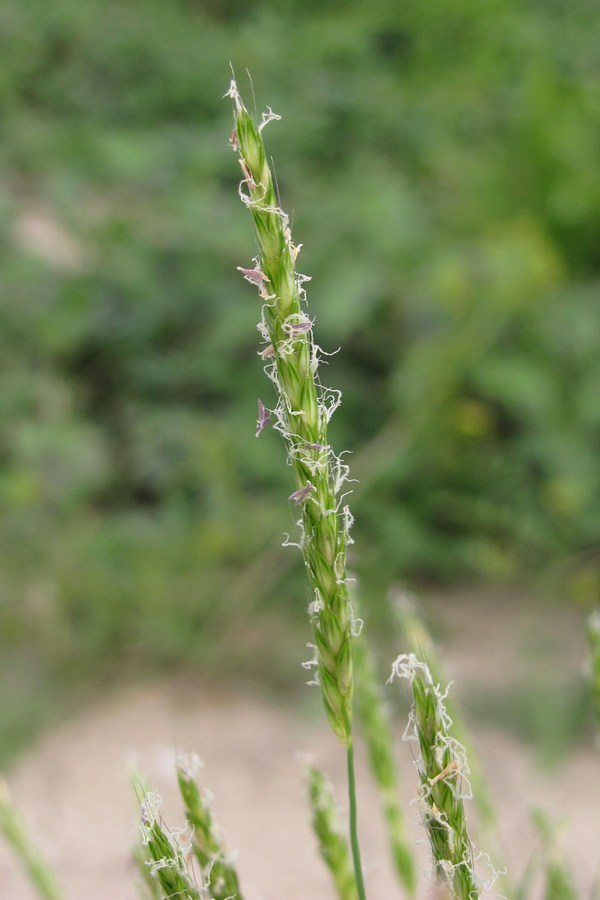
441	164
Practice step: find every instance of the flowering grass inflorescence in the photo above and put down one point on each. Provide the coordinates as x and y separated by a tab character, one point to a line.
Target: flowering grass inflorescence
166	854
443	776
301	415
220	876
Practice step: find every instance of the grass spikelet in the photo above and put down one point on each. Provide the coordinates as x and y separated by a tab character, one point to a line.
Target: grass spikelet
374	720
332	845
15	833
218	870
302	414
420	642
166	854
443	775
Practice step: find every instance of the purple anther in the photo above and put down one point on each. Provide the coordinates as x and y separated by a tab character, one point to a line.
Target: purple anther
297	328
267	353
264	417
302	493
233	139
316	446
254	276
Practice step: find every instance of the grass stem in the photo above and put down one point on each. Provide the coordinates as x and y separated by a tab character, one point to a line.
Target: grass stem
13	829
360	884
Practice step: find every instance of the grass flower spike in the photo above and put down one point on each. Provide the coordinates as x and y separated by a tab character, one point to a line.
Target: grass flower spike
302	415
443	775
420	642
217	868
166	853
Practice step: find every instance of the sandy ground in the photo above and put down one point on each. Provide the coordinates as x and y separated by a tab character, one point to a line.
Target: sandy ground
74	792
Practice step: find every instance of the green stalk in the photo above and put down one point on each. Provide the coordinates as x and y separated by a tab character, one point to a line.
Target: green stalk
15	833
332	845
373	717
360	885
593	632
559	878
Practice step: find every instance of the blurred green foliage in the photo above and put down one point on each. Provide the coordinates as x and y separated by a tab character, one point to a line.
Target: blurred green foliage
442	164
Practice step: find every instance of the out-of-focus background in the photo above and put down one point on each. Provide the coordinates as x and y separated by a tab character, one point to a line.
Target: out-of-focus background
440	161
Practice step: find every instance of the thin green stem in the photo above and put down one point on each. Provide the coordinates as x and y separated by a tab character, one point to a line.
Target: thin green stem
13	829
360	884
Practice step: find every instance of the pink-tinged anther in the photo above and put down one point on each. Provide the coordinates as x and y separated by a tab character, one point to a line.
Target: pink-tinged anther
264	417
254	276
296	328
302	493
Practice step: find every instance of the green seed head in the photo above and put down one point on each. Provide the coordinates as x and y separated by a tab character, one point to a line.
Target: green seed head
302	413
444	780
